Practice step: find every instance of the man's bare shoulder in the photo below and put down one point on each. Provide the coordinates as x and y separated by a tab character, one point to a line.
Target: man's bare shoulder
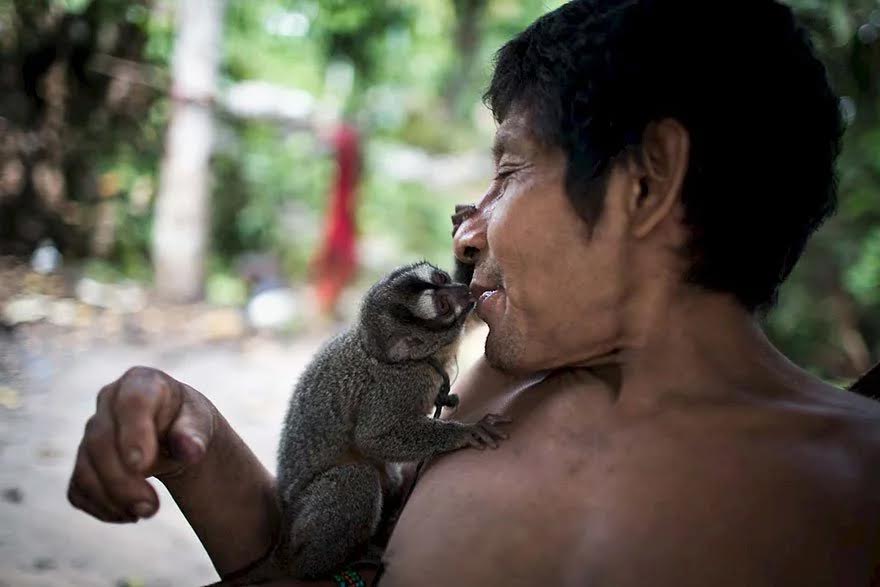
861	419
850	409
850	422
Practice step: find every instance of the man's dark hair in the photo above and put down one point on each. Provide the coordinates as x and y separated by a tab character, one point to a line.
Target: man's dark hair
741	77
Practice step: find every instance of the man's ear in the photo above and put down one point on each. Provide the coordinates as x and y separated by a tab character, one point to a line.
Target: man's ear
659	171
404	348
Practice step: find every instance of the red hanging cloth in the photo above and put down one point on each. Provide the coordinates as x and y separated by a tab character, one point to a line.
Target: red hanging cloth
336	261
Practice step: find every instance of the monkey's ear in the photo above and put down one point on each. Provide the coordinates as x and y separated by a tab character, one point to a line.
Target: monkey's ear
405	348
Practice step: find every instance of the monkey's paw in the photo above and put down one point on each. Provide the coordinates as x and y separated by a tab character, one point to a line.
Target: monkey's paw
486	432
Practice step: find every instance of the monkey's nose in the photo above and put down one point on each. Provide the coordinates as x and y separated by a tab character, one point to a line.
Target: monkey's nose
461	294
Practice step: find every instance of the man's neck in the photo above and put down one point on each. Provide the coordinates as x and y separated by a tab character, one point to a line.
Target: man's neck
697	344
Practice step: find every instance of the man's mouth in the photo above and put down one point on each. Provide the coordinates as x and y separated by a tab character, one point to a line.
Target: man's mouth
486	295
488	299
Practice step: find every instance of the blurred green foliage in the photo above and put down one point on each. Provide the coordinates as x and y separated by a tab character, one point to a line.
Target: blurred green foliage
410	73
384	65
828	316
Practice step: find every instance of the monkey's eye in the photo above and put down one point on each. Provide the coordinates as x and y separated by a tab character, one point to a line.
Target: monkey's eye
443	306
440	278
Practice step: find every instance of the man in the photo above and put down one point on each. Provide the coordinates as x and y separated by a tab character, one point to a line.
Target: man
660	168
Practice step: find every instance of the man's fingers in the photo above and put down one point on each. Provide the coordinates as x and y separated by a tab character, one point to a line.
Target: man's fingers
134	417
121	443
128	492
136	437
462	213
105	399
79	500
87	493
144	402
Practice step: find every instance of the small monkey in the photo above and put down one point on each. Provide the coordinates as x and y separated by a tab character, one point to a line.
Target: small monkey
361	404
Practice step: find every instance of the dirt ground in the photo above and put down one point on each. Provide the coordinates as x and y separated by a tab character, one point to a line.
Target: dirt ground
43	540
48	386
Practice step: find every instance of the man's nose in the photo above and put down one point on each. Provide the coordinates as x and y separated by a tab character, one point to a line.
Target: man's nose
469	238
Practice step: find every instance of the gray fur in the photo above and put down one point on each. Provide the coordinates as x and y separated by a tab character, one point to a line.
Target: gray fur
363	402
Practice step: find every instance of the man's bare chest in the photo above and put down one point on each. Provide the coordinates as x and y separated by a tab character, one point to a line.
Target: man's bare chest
564	504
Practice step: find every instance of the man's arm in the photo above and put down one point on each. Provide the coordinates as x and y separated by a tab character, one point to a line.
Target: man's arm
229	500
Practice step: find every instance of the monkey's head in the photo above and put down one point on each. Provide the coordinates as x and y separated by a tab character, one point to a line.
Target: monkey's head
413	313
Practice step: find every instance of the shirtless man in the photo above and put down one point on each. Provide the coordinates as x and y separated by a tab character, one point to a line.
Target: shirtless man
659	170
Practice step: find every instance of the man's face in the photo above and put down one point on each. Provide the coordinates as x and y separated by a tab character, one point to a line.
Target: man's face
550	291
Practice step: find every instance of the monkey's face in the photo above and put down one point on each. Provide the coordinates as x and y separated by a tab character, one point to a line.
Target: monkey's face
416	311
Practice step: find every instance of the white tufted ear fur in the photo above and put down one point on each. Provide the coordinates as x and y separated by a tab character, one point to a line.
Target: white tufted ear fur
425	307
425	272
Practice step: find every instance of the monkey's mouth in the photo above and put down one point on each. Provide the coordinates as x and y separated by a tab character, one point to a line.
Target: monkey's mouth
461	296
466	310
468	307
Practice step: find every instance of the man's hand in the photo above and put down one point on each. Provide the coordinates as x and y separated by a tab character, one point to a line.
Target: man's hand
146	424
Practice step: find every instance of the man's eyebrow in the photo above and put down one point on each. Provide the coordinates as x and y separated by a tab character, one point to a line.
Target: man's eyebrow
500	145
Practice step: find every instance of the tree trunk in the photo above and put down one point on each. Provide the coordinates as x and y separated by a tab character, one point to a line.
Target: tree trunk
468	32
181	225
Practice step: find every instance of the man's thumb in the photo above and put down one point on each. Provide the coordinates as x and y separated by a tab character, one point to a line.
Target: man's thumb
191	432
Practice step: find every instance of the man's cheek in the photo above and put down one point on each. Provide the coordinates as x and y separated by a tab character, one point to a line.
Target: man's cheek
511	233
519	254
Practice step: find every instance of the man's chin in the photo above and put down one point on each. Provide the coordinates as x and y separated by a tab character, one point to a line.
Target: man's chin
504	353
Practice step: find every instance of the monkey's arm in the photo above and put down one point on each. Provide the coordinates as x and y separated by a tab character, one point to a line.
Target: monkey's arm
415	438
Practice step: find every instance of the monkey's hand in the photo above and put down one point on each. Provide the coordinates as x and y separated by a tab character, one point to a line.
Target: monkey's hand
486	432
413	439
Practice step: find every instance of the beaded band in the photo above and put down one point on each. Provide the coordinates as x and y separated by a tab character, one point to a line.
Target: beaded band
349	579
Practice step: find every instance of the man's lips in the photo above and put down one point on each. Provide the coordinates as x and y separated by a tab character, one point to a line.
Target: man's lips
478	289
485	295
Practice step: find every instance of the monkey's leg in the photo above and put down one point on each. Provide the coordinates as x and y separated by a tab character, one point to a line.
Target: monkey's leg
330	522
